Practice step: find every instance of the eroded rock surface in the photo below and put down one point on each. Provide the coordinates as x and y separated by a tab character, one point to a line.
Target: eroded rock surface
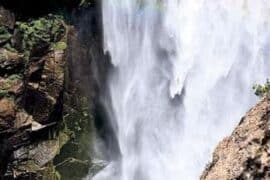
48	123
245	155
32	65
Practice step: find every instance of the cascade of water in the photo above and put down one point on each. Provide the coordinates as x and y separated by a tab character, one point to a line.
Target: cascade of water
182	78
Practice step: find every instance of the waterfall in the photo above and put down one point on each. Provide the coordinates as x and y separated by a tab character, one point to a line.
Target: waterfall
182	77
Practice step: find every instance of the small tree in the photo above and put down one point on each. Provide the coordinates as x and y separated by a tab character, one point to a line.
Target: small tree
262	90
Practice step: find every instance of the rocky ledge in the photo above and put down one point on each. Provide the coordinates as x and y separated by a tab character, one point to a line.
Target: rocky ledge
32	61
245	155
48	55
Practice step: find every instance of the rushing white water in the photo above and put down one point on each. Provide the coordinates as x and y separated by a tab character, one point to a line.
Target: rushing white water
182	78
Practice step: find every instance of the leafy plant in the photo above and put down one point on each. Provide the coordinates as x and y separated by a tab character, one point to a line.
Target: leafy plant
41	31
60	45
262	90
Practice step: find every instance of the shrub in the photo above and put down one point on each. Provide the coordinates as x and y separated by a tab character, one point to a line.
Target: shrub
262	90
43	31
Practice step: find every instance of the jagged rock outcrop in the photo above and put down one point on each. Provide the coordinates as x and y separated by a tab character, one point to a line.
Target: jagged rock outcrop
32	65
245	155
49	79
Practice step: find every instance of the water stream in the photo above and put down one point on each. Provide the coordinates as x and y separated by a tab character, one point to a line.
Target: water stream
182	78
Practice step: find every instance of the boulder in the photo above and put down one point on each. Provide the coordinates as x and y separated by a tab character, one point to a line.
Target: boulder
10	62
246	153
7	113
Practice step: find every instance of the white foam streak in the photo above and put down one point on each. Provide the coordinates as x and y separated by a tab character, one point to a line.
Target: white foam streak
183	77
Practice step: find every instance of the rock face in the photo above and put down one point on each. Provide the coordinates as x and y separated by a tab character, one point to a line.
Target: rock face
87	66
32	64
7	18
246	153
50	75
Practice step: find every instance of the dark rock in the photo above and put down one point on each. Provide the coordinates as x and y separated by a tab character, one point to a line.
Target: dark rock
7	18
31	86
46	79
32	65
24	9
23	120
4	35
7	114
10	62
12	85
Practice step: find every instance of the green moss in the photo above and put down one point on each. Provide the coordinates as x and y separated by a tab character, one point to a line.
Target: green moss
63	139
60	45
8	47
29	166
4	34
41	32
73	163
14	77
3	93
50	173
9	82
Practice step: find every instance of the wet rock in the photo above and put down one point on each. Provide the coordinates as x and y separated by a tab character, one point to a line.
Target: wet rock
12	85
7	18
23	119
96	166
32	65
7	114
31	85
246	153
53	74
41	154
4	35
46	80
10	62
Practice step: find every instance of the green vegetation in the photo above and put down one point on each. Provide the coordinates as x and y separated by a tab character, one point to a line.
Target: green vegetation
7	84
74	161
40	32
3	93
262	90
4	35
60	45
8	47
14	77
